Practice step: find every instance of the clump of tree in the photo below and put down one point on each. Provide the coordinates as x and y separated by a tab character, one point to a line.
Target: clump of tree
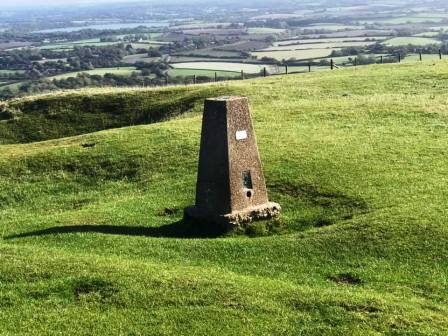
33	62
147	74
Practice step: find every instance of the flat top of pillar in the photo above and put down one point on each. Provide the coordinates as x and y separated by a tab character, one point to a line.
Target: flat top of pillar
227	98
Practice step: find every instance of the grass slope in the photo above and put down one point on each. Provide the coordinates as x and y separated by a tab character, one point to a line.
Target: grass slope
418	41
121	71
77	112
93	243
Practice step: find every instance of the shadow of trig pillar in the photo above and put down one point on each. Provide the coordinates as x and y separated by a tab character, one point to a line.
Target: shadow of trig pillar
231	189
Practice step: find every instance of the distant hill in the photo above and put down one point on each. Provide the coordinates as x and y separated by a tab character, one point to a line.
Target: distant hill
92	240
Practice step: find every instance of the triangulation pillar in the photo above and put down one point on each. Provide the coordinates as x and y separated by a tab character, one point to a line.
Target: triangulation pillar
231	189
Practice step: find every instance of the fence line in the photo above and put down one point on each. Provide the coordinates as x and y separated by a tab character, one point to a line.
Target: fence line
308	67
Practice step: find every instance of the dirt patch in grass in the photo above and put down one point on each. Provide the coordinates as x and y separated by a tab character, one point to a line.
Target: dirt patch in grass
169	212
94	289
346	279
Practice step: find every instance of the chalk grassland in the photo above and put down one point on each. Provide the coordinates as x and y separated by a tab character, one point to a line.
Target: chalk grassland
92	241
402	41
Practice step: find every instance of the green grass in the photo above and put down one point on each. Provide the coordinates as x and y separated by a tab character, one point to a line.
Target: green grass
419	41
356	157
10	72
80	43
123	71
328	40
323	45
146	45
43	117
265	30
297	54
404	20
209	52
202	25
428	34
425	57
224	66
13	86
331	27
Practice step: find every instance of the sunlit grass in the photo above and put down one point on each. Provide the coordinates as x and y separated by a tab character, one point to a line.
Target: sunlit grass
92	239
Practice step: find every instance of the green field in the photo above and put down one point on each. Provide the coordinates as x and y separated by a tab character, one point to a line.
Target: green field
123	71
10	72
203	25
225	66
443	28
404	20
131	59
419	41
143	45
80	43
332	27
329	40
428	34
324	45
297	54
202	72
92	241
264	30
209	52
13	86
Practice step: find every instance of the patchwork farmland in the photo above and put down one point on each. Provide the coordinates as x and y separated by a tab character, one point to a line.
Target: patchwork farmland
173	51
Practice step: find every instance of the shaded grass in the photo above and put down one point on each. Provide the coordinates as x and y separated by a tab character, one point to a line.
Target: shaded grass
53	116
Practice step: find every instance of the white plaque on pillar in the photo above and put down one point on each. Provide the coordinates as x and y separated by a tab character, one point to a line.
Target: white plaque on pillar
241	135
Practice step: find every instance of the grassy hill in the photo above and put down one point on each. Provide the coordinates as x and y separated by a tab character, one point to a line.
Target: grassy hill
92	241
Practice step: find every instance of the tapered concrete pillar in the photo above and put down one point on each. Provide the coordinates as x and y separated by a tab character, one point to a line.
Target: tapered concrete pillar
231	189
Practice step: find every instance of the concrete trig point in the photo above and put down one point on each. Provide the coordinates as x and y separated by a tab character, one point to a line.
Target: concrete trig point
231	189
